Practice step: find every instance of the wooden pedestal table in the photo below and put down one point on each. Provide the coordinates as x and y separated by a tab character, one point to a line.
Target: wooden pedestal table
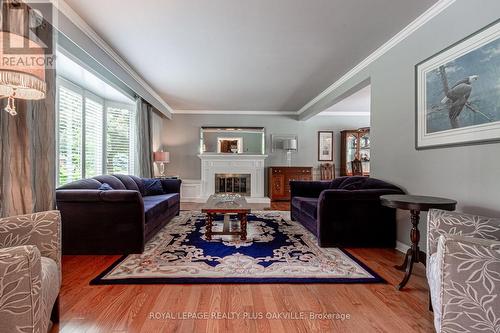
415	204
226	205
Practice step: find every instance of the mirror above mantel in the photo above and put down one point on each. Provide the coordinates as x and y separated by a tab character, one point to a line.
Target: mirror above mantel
232	140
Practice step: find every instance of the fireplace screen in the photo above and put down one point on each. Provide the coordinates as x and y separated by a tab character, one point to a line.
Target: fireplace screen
233	183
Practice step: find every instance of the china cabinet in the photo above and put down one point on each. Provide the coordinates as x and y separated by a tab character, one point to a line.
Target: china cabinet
355	144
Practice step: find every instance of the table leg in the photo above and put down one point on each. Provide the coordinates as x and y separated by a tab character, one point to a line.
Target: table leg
414	254
243	219
208	231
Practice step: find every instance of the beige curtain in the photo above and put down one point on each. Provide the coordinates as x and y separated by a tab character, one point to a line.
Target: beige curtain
144	140
27	158
27	151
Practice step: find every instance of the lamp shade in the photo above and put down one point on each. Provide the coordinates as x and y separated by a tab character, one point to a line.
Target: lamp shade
20	76
290	144
161	156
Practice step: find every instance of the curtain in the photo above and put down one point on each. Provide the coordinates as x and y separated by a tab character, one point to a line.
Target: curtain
27	157
144	140
27	150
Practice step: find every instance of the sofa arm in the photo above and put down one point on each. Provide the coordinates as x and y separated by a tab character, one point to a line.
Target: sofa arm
308	189
20	276
469	286
40	229
440	222
101	222
356	218
171	185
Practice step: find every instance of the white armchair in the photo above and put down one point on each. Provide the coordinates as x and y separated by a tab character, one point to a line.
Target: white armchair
30	272
463	271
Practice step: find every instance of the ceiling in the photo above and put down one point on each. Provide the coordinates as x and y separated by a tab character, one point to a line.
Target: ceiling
259	55
72	71
355	104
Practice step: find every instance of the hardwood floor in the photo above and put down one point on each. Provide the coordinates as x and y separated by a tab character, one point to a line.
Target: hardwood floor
129	308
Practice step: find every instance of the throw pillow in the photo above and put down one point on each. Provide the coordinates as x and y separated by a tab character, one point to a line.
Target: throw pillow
153	187
105	187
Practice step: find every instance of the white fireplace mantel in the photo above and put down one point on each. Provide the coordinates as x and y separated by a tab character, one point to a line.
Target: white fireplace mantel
212	164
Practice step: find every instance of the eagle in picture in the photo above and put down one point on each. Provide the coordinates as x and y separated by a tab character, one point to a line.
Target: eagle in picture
457	97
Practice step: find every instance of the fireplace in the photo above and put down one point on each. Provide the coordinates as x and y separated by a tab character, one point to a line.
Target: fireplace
233	183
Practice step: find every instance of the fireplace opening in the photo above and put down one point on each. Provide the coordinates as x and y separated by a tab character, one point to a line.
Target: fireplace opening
233	183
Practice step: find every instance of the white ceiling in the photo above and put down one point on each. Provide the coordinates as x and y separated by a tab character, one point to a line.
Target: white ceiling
355	104
262	55
72	71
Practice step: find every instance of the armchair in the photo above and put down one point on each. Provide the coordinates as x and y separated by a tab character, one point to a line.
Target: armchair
463	271
30	271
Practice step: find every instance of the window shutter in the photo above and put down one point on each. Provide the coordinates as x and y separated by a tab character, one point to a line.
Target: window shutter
120	140
70	104
94	117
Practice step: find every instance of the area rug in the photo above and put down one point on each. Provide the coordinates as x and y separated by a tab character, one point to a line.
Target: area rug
277	250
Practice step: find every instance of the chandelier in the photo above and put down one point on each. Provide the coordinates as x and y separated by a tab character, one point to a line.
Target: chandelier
22	76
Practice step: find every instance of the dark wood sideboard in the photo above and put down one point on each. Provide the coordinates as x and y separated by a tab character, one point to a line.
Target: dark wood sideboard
280	177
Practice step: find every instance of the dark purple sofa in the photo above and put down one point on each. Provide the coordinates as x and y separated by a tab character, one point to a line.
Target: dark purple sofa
345	212
119	220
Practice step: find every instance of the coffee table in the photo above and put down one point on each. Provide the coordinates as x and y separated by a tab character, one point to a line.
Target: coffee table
227	205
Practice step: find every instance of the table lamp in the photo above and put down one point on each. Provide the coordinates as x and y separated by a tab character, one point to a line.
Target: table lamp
289	145
161	157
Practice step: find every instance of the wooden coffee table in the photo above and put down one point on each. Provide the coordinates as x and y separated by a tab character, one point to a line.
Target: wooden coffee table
227	205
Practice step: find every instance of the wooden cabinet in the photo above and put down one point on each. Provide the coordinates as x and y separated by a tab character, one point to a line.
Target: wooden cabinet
355	144
280	177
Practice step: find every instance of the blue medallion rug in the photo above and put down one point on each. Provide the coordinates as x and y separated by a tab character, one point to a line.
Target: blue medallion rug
277	250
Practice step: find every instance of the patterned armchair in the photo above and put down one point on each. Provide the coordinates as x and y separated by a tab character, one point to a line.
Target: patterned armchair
463	270
30	271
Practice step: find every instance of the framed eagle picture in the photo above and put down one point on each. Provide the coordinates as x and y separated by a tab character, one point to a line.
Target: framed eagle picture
458	92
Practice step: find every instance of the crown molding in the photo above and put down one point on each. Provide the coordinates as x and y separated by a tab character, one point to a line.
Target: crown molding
80	23
430	13
238	112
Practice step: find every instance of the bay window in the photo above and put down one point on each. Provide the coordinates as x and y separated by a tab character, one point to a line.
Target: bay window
95	136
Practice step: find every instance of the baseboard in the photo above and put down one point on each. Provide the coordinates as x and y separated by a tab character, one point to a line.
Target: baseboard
402	247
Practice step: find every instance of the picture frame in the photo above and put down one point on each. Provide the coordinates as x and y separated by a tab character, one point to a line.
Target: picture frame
325	146
456	94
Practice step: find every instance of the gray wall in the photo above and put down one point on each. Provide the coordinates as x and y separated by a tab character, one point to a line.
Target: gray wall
471	174
181	135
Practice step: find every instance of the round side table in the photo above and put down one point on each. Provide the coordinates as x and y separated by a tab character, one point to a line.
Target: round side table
415	204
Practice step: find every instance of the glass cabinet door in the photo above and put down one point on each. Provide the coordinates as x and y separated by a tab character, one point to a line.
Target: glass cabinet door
352	148
364	152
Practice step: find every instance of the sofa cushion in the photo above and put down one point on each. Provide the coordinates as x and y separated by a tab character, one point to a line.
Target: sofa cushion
156	204
105	187
114	182
153	187
82	184
308	206
129	182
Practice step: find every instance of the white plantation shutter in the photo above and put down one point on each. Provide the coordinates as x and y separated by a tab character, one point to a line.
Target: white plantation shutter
70	120
94	118
120	139
94	136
